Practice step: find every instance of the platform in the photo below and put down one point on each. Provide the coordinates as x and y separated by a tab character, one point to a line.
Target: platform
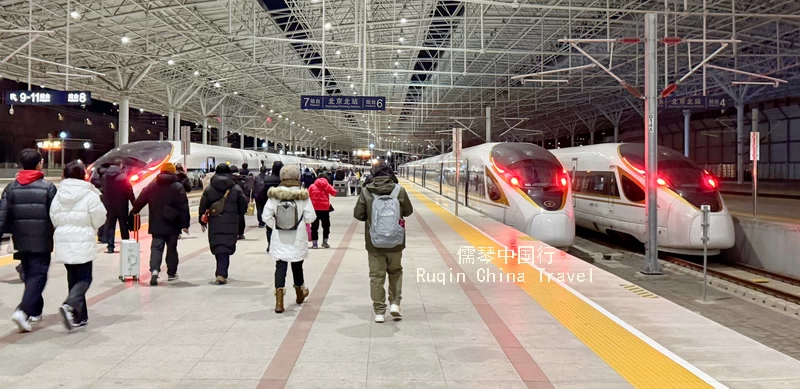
465	325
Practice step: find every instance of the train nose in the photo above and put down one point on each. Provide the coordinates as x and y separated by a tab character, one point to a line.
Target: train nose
556	229
720	231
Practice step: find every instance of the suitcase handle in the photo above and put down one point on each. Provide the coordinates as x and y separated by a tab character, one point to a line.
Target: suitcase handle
137	224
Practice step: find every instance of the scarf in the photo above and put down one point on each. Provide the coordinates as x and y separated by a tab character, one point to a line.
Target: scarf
290	183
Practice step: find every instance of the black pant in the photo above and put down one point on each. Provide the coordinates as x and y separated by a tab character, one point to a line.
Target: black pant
157	253
101	234
352	190
325	218
35	267
79	278
241	225
260	209
111	228
280	273
269	237
223	262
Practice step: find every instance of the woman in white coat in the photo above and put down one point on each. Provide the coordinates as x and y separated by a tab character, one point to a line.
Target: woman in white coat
76	213
289	245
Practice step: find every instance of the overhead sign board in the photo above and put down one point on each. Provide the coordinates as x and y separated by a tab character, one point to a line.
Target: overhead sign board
695	102
755	146
344	103
48	97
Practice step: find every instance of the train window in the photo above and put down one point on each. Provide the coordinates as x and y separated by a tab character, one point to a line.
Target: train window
632	190
494	191
476	186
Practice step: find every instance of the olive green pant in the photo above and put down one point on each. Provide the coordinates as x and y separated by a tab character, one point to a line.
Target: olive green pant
381	264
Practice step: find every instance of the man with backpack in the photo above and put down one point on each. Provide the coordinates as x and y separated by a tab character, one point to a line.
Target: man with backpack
260	193
383	205
272	181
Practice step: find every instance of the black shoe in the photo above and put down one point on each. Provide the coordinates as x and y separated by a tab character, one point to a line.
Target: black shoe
110	251
262	225
154	279
240	237
80	324
172	277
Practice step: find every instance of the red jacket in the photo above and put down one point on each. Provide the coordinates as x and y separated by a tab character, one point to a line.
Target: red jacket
318	192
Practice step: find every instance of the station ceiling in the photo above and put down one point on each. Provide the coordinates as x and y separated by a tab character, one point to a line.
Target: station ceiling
439	63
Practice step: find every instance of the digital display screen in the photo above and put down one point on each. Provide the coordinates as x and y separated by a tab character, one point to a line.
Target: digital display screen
48	97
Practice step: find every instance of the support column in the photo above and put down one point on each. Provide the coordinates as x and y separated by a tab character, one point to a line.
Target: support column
488	124
177	126
205	131
221	130
616	132
170	124
572	140
124	122
686	127
591	137
651	265
741	138
241	139
442	149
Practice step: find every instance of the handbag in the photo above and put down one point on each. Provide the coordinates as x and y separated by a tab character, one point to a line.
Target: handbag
251	206
330	208
218	206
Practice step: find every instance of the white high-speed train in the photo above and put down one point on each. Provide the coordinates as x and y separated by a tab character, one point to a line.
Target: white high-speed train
142	160
608	190
518	184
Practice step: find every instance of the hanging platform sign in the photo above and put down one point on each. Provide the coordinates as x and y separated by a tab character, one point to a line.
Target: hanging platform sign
344	103
48	97
695	102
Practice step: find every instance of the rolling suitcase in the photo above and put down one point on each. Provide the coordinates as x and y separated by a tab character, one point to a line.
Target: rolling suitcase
130	254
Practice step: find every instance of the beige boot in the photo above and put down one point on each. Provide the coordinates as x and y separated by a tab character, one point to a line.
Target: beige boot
279	292
302	293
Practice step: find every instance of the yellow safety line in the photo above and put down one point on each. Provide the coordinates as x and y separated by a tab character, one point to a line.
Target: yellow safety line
638	362
749	217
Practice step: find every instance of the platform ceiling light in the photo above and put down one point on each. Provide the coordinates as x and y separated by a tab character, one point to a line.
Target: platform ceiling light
235	92
338	52
170	62
196	73
349	77
328	26
401	39
217	85
352	86
141	110
280	116
125	40
75	15
262	105
396	63
395	74
403	20
399	51
287	119
271	111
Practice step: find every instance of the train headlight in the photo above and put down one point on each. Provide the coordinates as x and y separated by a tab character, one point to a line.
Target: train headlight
134	178
514	181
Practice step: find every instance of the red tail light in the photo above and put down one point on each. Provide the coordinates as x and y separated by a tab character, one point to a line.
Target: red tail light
140	175
662	182
514	181
709	181
564	181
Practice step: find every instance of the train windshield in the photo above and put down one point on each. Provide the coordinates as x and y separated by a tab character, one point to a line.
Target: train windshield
138	159
534	170
678	173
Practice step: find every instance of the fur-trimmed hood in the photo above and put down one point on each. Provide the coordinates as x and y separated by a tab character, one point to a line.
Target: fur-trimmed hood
287	193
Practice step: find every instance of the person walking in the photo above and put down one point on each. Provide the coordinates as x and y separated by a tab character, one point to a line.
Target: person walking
383	205
241	181
322	207
169	215
352	182
307	179
97	180
260	193
180	172
221	205
273	181
76	213
288	208
25	214
117	194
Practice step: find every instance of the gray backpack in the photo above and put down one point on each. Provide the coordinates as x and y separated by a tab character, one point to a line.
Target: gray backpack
385	229
286	216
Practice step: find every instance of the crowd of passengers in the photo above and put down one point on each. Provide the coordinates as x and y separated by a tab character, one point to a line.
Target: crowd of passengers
66	224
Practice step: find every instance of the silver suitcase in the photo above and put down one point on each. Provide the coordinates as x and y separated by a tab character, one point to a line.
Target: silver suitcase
130	255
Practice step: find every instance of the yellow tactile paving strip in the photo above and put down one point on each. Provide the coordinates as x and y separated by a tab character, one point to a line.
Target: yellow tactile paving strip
635	360
639	290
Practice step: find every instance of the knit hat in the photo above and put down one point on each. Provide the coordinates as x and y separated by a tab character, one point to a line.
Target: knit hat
168	168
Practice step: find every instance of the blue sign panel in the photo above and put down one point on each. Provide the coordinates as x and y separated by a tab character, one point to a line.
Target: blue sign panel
344	103
695	102
48	97
719	102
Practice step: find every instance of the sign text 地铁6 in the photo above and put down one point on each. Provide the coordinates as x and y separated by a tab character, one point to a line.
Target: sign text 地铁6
344	103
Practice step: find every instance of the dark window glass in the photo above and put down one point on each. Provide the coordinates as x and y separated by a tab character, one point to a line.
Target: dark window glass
136	156
632	190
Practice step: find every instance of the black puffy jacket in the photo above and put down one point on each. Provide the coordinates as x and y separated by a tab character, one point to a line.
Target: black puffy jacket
25	213
223	229
259	187
168	205
274	179
184	180
117	191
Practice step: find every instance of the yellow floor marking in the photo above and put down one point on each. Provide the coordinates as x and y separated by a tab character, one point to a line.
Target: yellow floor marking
636	361
749	216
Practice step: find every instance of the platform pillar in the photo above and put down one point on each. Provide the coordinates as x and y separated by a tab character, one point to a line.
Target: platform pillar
124	122
686	127
171	125
177	126
741	138
221	130
616	132
205	131
651	265
488	124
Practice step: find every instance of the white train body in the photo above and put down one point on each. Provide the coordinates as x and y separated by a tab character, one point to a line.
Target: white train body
142	160
608	190
519	184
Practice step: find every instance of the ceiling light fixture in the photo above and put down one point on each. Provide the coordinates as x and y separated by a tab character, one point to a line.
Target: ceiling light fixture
396	63
328	26
352	86
401	39
75	15
196	73
399	51
403	20
217	85
338	52
125	40
170	62
235	92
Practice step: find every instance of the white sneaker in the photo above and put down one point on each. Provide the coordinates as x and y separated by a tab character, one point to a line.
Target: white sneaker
379	318
394	310
35	319
66	316
21	320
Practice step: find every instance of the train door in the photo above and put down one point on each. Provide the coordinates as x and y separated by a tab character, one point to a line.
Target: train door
598	187
211	164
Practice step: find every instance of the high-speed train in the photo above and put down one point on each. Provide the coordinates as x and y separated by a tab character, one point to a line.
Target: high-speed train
142	160
608	190
518	184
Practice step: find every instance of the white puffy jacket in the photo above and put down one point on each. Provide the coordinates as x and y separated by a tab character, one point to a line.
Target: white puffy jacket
289	246
76	213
